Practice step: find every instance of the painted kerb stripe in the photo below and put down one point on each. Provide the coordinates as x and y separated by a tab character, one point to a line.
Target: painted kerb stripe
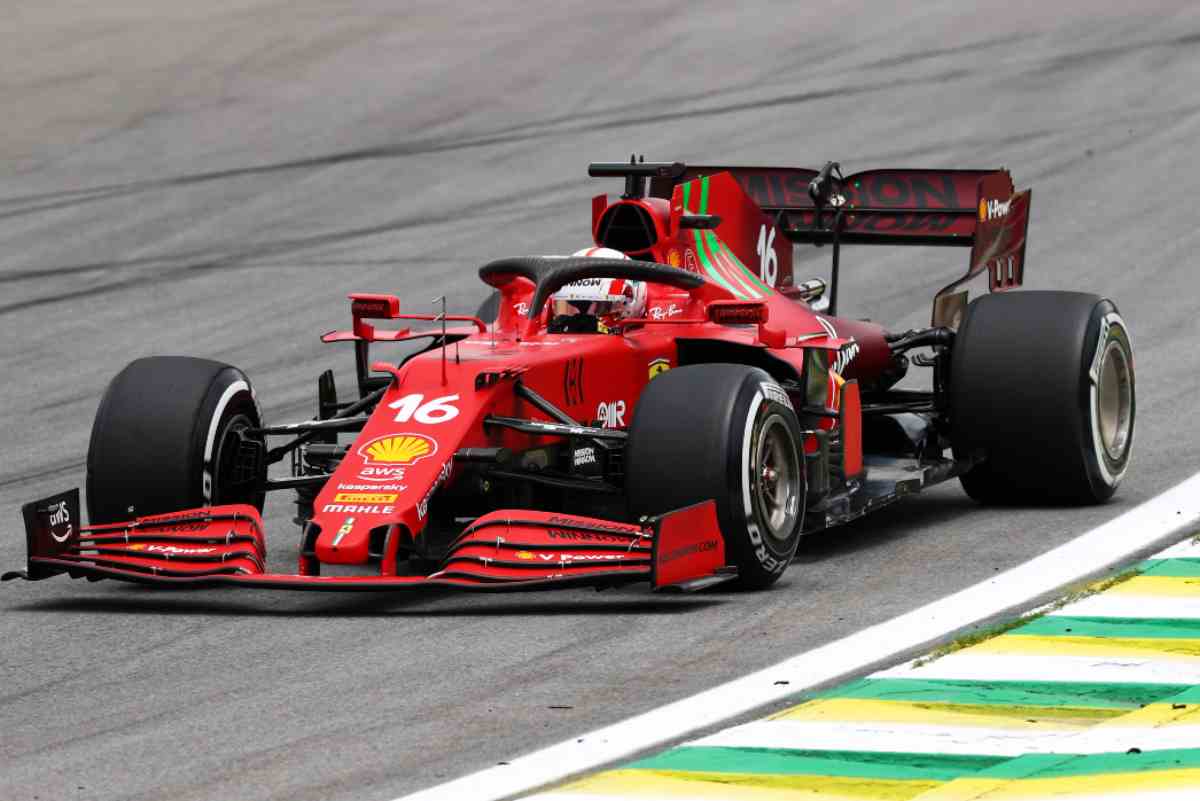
889	737
1137	532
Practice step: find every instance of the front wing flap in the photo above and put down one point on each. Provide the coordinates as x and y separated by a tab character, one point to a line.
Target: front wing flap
513	549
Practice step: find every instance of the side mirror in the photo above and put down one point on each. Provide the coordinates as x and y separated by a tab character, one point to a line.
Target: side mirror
703	222
811	292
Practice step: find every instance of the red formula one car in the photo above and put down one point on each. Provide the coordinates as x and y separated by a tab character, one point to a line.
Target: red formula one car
682	414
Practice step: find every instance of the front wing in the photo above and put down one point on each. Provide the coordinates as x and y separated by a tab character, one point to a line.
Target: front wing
511	549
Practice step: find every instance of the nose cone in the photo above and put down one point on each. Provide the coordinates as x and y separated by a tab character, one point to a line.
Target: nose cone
400	459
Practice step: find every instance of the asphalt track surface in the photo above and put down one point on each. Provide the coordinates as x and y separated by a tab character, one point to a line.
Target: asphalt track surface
180	178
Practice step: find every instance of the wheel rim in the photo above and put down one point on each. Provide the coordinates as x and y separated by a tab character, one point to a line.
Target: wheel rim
236	464
776	477
1114	401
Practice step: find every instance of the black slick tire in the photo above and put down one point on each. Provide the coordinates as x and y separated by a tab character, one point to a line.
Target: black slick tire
725	432
1042	390
168	435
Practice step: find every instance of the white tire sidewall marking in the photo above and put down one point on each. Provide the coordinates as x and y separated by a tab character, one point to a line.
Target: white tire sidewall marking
206	473
756	536
747	453
1107	323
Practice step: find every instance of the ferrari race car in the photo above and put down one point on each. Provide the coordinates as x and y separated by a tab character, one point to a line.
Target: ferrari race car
681	412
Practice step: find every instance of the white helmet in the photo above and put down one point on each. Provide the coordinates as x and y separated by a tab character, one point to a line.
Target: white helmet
607	299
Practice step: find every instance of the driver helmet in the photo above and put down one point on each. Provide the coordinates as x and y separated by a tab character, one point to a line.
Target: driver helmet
606	299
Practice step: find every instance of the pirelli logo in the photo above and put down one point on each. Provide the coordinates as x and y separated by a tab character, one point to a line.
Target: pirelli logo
365	497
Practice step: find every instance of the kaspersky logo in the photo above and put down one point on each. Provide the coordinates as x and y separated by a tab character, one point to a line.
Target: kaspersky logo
991	209
398	449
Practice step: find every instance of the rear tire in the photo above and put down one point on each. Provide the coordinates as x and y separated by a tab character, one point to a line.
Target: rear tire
169	435
725	432
1042	388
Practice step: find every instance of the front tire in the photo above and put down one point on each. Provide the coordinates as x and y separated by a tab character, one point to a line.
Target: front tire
170	435
725	432
1042	389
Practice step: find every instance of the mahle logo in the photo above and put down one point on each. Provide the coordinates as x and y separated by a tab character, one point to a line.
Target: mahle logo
398	449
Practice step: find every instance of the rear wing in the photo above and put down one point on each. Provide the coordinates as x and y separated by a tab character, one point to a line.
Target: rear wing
882	207
978	209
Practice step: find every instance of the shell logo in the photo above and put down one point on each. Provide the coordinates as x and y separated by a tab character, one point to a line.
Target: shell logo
524	554
398	449
983	210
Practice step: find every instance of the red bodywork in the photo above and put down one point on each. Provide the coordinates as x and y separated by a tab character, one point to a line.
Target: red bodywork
438	402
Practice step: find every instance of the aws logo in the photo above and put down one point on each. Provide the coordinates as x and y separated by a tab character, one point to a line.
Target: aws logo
398	449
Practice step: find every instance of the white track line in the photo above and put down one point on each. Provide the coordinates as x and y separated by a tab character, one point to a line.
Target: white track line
1132	603
1147	606
919	738
577	796
1145	526
1182	794
915	738
1183	549
971	666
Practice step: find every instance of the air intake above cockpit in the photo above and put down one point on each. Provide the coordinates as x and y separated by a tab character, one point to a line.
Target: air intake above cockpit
626	227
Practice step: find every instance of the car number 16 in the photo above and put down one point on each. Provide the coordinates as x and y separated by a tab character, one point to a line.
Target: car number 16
768	261
413	407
